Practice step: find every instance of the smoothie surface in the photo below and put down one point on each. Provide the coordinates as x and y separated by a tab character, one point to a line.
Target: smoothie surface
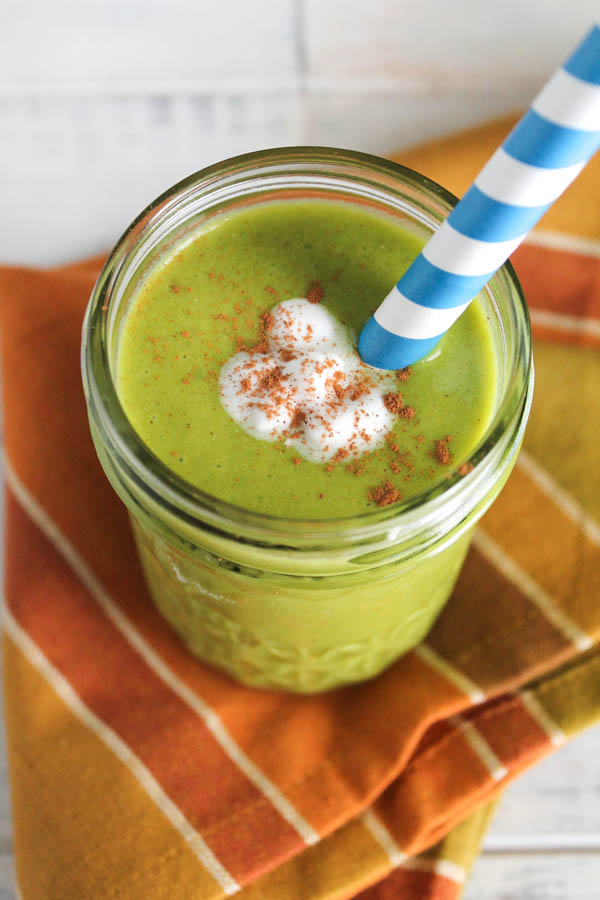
204	301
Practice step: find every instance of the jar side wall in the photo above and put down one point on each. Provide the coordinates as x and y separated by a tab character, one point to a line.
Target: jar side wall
354	561
305	638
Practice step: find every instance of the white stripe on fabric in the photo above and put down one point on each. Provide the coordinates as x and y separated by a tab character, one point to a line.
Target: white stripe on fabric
445	867
569	324
406	319
114	743
429	656
568	243
480	746
383	837
570	102
542	718
458	254
516	183
563	500
531	589
153	660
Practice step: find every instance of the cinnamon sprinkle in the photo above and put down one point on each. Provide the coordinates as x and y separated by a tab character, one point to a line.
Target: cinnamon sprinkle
442	451
298	419
342	453
355	468
315	292
384	494
358	389
267	321
262	346
393	402
271	379
390	440
404	374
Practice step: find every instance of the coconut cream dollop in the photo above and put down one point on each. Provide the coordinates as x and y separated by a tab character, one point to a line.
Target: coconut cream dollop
306	385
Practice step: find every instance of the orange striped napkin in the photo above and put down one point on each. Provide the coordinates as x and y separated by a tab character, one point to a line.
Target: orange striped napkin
138	773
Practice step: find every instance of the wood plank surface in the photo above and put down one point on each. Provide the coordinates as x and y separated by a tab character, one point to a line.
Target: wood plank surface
62	44
558	876
481	45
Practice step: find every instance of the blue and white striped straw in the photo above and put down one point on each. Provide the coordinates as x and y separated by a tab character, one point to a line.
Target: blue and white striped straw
538	160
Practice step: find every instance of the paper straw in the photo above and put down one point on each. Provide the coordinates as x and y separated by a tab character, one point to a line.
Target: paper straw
542	155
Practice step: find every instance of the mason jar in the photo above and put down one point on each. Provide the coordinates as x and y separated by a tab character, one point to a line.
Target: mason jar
283	603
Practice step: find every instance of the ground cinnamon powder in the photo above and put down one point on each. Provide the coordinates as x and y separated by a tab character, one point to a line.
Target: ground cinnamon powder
315	292
298	419
267	321
271	379
385	494
393	402
442	452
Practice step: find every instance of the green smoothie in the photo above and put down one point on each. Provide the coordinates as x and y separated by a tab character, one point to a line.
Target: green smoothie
301	519
212	295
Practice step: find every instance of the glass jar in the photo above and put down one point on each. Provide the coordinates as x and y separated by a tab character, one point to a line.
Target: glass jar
281	603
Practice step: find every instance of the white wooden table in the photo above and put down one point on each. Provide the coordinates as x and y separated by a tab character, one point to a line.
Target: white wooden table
103	104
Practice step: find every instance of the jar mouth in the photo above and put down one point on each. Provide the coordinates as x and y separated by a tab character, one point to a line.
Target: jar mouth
377	180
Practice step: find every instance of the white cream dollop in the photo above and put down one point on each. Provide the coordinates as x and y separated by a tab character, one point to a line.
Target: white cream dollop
309	388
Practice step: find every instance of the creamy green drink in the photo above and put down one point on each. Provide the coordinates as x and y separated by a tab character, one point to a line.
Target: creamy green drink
301	518
215	293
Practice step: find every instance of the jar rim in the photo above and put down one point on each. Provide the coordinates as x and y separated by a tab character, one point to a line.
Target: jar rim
152	477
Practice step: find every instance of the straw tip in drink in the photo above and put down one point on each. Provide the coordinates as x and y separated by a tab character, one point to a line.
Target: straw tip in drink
383	349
